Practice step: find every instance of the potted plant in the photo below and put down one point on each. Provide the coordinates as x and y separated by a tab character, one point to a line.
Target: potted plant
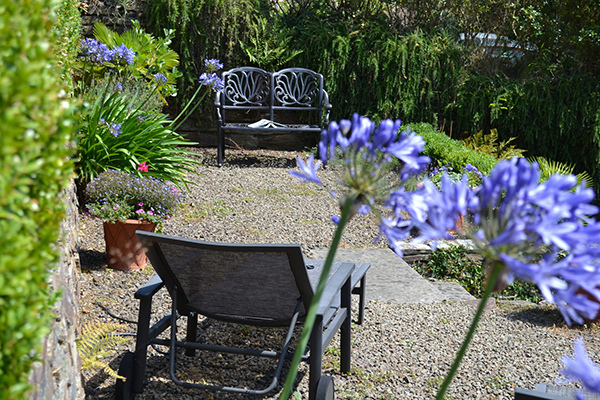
127	203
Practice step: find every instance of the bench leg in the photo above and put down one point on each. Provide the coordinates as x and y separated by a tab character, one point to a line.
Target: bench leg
220	147
345	331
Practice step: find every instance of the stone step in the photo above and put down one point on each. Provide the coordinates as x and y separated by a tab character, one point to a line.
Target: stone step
391	279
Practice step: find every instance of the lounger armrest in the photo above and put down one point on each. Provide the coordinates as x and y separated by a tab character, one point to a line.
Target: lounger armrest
150	288
334	286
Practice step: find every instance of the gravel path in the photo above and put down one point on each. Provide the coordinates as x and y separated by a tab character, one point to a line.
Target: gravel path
402	351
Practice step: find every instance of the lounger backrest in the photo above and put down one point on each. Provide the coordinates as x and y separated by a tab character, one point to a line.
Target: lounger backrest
254	284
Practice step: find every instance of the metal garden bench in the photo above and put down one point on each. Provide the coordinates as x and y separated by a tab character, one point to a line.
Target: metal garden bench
257	285
270	103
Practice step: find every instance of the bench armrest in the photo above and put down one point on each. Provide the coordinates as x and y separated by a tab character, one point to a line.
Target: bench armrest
217	104
327	106
150	288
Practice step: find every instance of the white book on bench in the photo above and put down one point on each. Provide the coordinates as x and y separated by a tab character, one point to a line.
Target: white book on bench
266	123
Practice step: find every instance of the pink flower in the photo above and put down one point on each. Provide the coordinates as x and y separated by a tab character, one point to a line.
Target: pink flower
141	204
140	211
143	167
116	207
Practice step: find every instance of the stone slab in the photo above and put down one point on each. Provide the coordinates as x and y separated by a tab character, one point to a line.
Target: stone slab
391	279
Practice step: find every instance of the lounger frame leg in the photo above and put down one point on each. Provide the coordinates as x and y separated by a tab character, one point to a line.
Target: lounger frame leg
141	345
192	332
360	291
316	357
345	330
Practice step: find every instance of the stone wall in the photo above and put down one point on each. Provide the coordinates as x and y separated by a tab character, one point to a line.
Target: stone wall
115	14
59	375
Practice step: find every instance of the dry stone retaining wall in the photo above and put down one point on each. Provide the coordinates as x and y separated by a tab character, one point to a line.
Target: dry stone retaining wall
59	375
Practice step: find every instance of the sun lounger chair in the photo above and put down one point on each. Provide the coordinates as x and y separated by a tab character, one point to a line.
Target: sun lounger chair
258	285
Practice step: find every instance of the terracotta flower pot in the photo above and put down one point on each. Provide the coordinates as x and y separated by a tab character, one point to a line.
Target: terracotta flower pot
123	250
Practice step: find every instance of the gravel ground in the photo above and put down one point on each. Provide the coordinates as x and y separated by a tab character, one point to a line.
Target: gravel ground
402	351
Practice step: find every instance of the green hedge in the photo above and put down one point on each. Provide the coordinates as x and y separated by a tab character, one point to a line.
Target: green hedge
557	118
449	152
34	169
204	29
370	70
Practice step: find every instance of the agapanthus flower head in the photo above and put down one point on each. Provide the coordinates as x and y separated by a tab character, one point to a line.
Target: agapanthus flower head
371	154
123	54
213	65
538	232
96	52
160	79
213	81
115	129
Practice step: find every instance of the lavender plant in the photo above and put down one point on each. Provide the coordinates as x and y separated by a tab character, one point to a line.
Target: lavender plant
118	196
543	233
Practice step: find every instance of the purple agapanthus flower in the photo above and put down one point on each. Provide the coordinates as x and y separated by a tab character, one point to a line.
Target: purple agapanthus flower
368	151
160	79
581	368
473	169
528	227
96	52
115	129
213	64
212	80
123	54
308	170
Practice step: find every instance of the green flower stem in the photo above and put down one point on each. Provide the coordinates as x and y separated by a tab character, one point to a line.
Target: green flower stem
187	106
495	273
312	311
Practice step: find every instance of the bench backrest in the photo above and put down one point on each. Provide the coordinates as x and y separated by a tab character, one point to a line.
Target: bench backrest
265	94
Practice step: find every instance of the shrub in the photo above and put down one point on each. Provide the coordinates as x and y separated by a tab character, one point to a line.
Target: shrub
488	144
445	151
454	264
35	149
